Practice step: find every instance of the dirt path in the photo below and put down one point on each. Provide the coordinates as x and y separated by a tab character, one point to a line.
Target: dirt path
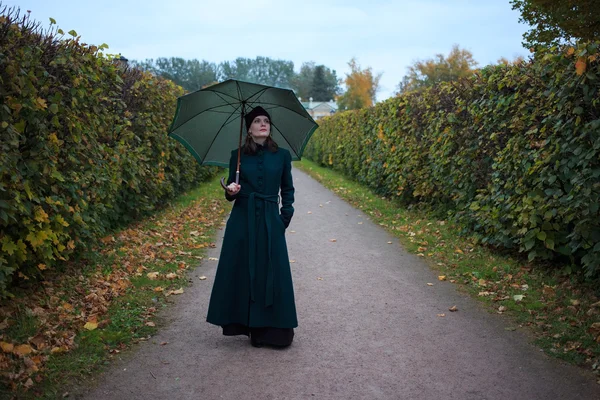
368	330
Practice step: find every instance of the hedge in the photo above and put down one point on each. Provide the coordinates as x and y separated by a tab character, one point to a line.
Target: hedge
513	152
83	147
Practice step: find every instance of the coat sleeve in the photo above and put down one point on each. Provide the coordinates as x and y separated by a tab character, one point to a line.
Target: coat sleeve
231	178
287	190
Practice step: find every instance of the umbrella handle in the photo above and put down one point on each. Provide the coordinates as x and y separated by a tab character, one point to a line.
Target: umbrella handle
237	180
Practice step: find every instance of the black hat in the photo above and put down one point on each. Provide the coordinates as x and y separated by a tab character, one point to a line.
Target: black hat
255	113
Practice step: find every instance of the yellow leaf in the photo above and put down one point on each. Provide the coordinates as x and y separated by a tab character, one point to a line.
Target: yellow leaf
40	215
459	251
56	350
441	315
41	102
179	291
442	277
159	289
22	350
202	278
90	326
150	323
67	306
453	308
171	276
7	347
42	267
580	66
482	282
570	51
429	284
152	275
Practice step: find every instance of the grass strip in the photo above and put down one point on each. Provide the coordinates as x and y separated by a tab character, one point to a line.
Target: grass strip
57	332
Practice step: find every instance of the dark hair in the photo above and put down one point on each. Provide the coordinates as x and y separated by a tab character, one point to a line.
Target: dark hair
251	148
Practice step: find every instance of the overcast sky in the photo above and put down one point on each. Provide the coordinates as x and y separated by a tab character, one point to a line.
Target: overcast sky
387	36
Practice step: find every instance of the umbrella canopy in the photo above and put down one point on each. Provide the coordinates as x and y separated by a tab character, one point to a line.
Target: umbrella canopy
209	122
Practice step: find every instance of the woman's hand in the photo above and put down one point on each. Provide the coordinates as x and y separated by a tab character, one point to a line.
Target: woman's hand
233	188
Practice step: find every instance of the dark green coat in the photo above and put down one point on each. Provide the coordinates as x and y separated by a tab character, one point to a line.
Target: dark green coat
253	285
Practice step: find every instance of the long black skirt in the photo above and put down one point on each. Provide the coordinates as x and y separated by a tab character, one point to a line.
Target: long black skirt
264	336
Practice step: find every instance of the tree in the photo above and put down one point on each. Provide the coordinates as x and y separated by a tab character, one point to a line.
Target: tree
302	82
325	84
557	22
361	88
458	64
262	70
192	75
324	87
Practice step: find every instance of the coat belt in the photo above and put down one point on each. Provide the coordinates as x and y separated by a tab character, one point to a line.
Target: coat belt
252	198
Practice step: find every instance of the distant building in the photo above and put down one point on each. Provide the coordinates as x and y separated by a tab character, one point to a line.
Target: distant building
319	109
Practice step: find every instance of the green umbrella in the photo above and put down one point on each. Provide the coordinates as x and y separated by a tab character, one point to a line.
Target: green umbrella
210	121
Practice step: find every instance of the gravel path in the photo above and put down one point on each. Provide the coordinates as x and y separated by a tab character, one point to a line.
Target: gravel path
368	329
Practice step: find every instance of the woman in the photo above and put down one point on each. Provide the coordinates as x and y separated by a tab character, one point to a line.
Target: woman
253	293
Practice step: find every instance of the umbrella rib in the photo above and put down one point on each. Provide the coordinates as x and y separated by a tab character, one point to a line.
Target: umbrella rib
227	121
284	138
209	109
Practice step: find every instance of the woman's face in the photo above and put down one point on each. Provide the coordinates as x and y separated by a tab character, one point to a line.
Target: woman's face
260	128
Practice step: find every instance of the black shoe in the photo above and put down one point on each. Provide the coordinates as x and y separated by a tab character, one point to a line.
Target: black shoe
255	342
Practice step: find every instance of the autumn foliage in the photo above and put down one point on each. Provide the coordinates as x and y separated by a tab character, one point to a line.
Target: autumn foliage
512	151
83	146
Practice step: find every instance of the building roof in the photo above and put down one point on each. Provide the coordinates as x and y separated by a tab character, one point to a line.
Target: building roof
311	105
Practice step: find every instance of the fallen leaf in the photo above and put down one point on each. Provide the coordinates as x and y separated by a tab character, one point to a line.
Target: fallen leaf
292	261
310	212
319	279
67	306
459	251
292	231
22	350
152	275
213	259
442	277
178	291
4	324
202	278
429	284
159	289
90	326
482	282
501	309
39	341
332	240
441	315
575	302
510	328
518	297
29	383
484	293
171	276
56	350
164	343
453	309
7	347
320	205
389	242
150	323
360	223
